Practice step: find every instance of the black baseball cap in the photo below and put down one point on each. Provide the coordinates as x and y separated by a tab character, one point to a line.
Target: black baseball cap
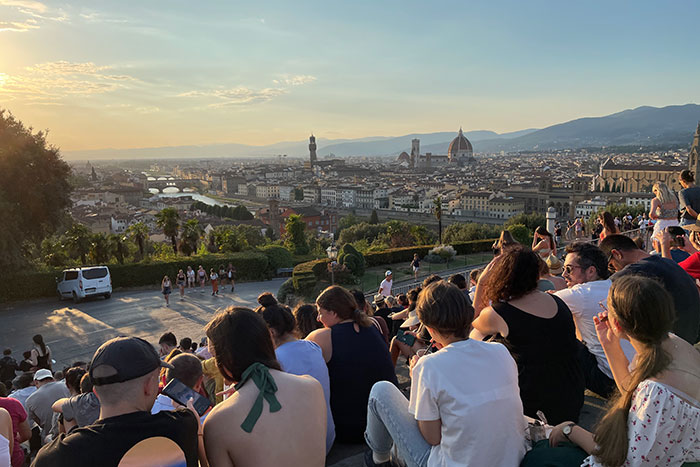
123	359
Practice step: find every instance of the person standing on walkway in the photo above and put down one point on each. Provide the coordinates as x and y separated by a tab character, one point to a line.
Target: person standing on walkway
190	277
415	264
385	286
202	277
165	289
180	281
214	277
689	198
664	209
231	272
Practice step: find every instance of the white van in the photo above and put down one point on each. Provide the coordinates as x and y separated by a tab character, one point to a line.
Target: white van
80	283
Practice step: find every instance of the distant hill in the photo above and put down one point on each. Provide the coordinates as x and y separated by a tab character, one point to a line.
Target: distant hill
643	126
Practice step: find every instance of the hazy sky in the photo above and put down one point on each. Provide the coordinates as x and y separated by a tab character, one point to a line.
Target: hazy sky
135	73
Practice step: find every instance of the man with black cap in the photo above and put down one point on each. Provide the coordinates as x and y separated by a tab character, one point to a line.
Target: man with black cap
124	371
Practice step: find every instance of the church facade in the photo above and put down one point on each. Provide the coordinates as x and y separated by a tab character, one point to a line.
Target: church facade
459	153
621	178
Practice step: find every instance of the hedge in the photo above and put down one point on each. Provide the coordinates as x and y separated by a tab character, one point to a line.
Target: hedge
405	254
249	266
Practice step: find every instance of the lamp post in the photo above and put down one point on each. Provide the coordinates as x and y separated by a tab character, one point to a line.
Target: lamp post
332	252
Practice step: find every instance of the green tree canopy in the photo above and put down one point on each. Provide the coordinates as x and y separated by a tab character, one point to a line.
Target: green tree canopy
191	233
167	219
374	218
295	235
34	188
139	232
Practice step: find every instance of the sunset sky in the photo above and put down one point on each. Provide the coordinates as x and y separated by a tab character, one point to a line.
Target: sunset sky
128	73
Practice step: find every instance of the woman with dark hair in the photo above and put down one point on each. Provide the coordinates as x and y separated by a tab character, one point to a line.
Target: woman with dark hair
298	357
268	406
305	320
40	353
608	223
357	357
655	419
378	320
504	242
543	243
539	331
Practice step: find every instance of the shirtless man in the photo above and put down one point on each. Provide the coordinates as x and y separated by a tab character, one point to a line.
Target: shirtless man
294	433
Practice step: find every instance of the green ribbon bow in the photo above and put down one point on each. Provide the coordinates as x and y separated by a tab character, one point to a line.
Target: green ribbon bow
262	378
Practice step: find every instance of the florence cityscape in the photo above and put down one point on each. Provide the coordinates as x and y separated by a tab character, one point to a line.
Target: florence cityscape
439	213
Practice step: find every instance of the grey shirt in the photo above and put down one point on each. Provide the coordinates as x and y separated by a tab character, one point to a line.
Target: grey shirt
689	197
40	402
83	408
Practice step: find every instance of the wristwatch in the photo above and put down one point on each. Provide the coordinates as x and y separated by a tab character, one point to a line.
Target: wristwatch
567	430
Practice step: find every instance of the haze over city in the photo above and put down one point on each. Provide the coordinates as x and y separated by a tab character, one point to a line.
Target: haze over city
133	74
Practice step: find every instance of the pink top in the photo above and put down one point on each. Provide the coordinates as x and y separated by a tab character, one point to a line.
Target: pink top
663	427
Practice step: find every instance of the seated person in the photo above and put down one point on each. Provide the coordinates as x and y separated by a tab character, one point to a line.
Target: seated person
188	370
414	331
539	331
79	410
357	357
124	371
295	356
656	418
379	322
273	418
459	414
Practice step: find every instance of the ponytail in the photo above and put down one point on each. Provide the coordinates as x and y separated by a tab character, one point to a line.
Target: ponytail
611	437
361	319
643	309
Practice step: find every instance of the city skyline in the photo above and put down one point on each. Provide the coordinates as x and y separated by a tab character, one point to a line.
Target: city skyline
129	75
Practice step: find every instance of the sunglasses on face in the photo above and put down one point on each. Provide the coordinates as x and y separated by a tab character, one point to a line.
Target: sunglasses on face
570	267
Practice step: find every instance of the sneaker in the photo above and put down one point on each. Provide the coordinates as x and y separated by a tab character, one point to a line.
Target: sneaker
369	462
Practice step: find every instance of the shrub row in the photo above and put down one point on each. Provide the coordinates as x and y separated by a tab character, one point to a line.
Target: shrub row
249	266
405	254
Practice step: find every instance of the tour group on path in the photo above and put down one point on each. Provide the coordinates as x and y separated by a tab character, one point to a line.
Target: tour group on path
75	331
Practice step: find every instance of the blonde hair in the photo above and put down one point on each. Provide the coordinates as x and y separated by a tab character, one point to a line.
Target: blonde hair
664	193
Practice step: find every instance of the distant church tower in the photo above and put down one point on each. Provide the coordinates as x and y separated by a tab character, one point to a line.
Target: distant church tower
415	151
694	155
312	150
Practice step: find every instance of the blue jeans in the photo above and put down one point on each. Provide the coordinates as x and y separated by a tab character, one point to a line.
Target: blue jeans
389	423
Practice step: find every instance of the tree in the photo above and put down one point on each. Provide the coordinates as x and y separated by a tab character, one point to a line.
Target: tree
531	221
53	252
79	242
117	246
270	234
99	248
352	259
241	213
139	232
167	219
521	233
374	218
295	235
437	210
34	189
191	233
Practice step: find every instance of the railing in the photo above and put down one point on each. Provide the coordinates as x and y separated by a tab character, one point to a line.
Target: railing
466	270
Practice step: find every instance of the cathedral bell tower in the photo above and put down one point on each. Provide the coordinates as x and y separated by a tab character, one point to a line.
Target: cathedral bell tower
694	155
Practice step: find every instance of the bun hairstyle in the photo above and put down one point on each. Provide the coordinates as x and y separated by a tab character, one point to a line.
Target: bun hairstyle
644	311
687	176
278	318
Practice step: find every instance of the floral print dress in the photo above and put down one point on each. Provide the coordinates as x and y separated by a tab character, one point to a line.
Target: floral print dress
663	425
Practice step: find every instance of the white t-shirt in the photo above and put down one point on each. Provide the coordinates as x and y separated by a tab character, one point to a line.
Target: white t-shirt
385	287
472	387
584	302
190	273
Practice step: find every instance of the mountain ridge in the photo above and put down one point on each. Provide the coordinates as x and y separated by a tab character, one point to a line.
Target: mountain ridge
642	126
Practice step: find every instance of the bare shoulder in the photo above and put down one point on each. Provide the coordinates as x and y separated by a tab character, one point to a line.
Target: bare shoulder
320	336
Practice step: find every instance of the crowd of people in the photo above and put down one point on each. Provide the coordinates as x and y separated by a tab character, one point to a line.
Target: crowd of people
498	363
190	278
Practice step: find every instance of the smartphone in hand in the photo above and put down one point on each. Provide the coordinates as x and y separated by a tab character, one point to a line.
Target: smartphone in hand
180	393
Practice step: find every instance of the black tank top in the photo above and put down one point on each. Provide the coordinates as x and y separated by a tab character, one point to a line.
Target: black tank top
359	360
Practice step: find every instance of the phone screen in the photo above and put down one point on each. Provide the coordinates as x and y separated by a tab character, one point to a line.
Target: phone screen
177	391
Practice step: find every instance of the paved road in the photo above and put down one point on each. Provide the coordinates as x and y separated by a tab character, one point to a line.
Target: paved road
74	332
